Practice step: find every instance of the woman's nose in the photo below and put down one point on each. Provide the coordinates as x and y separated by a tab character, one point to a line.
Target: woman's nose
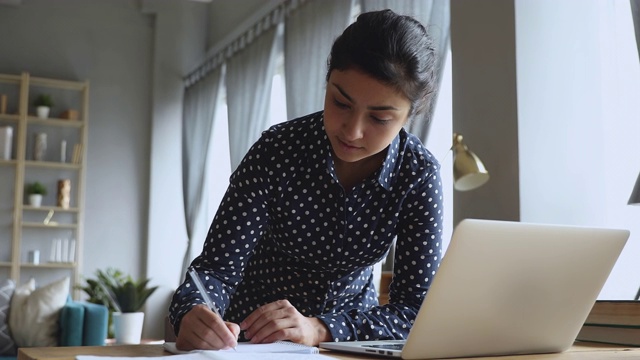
353	128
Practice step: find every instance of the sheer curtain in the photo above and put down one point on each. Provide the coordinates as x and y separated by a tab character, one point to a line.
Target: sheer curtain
309	33
200	100
249	75
435	15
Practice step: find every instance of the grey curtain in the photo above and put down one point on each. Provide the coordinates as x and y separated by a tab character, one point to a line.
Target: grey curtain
635	14
197	123
309	33
435	15
249	76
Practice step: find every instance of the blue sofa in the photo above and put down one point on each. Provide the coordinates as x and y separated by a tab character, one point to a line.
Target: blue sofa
81	324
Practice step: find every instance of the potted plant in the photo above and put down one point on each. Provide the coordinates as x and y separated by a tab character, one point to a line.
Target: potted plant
95	289
125	299
36	191
43	104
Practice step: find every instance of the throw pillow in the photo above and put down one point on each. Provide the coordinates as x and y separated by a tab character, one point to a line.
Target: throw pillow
34	315
7	346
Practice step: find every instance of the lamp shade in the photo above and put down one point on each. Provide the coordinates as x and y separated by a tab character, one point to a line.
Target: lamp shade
634	199
468	170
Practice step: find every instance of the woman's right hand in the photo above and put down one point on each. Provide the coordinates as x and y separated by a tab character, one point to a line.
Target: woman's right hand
202	329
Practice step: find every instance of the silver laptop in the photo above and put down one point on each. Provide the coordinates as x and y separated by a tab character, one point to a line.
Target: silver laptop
506	288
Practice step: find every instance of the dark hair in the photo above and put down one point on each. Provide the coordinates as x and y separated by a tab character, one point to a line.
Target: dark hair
394	49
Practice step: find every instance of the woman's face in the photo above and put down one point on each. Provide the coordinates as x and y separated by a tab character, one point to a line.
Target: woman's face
361	115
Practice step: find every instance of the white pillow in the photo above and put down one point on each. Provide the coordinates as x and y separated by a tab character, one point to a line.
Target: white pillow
34	313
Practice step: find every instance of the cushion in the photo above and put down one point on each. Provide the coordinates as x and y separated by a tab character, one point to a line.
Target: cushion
7	346
34	315
71	324
96	321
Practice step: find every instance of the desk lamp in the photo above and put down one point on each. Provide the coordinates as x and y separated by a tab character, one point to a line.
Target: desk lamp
468	171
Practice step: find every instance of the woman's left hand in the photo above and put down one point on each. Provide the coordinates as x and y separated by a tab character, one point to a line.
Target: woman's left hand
280	320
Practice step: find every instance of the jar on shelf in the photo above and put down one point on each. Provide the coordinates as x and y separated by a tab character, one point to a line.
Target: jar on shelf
64	193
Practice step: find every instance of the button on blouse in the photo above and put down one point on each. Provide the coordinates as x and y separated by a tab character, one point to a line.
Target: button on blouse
286	229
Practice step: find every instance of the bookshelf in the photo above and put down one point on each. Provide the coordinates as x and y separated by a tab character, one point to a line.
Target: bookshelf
42	242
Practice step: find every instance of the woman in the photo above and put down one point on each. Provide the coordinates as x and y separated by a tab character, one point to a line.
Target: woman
317	201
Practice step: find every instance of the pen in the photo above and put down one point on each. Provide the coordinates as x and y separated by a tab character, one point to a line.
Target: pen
205	295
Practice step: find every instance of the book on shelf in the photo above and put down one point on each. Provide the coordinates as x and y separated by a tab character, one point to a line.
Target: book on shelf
615	312
77	154
610	334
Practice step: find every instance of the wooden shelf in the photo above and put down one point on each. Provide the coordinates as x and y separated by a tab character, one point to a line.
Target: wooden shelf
33	120
10	117
49	226
25	222
50	265
49	208
51	165
8	162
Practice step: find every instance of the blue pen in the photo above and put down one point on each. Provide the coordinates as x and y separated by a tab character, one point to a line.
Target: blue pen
205	295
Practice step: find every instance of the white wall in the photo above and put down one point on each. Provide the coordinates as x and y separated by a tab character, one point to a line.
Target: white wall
544	91
230	17
485	104
134	55
179	46
109	44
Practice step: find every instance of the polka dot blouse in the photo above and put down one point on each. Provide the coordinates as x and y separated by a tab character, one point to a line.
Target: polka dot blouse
286	229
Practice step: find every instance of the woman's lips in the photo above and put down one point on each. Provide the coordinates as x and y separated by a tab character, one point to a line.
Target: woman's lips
348	147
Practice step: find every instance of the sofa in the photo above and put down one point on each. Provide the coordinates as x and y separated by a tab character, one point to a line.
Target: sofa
48	316
80	324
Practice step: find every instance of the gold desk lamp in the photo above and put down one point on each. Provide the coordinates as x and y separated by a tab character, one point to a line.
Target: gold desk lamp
468	170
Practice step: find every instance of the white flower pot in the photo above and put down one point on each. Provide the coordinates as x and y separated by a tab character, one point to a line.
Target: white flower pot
42	112
128	327
35	200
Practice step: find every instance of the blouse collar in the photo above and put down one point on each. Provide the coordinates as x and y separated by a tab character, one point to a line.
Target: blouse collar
385	175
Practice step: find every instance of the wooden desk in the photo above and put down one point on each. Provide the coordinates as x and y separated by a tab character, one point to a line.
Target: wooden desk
581	351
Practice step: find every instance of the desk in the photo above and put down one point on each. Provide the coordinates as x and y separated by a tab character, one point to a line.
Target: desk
581	351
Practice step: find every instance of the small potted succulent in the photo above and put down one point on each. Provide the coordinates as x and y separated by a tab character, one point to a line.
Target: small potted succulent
36	191
43	104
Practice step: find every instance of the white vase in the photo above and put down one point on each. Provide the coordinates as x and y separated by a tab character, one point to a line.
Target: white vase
42	112
40	147
35	200
128	327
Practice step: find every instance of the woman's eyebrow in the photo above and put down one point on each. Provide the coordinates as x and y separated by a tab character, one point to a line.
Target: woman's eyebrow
375	108
344	93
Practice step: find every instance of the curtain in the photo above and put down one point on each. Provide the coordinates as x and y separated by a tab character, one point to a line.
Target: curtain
434	14
249	75
200	102
635	14
309	33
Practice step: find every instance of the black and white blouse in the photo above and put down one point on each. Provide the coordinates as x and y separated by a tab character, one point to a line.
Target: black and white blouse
286	229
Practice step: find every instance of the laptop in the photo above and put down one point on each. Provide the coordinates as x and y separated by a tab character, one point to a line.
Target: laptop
506	288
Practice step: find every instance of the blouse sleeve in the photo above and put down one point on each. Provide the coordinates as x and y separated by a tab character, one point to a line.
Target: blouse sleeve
236	229
417	256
